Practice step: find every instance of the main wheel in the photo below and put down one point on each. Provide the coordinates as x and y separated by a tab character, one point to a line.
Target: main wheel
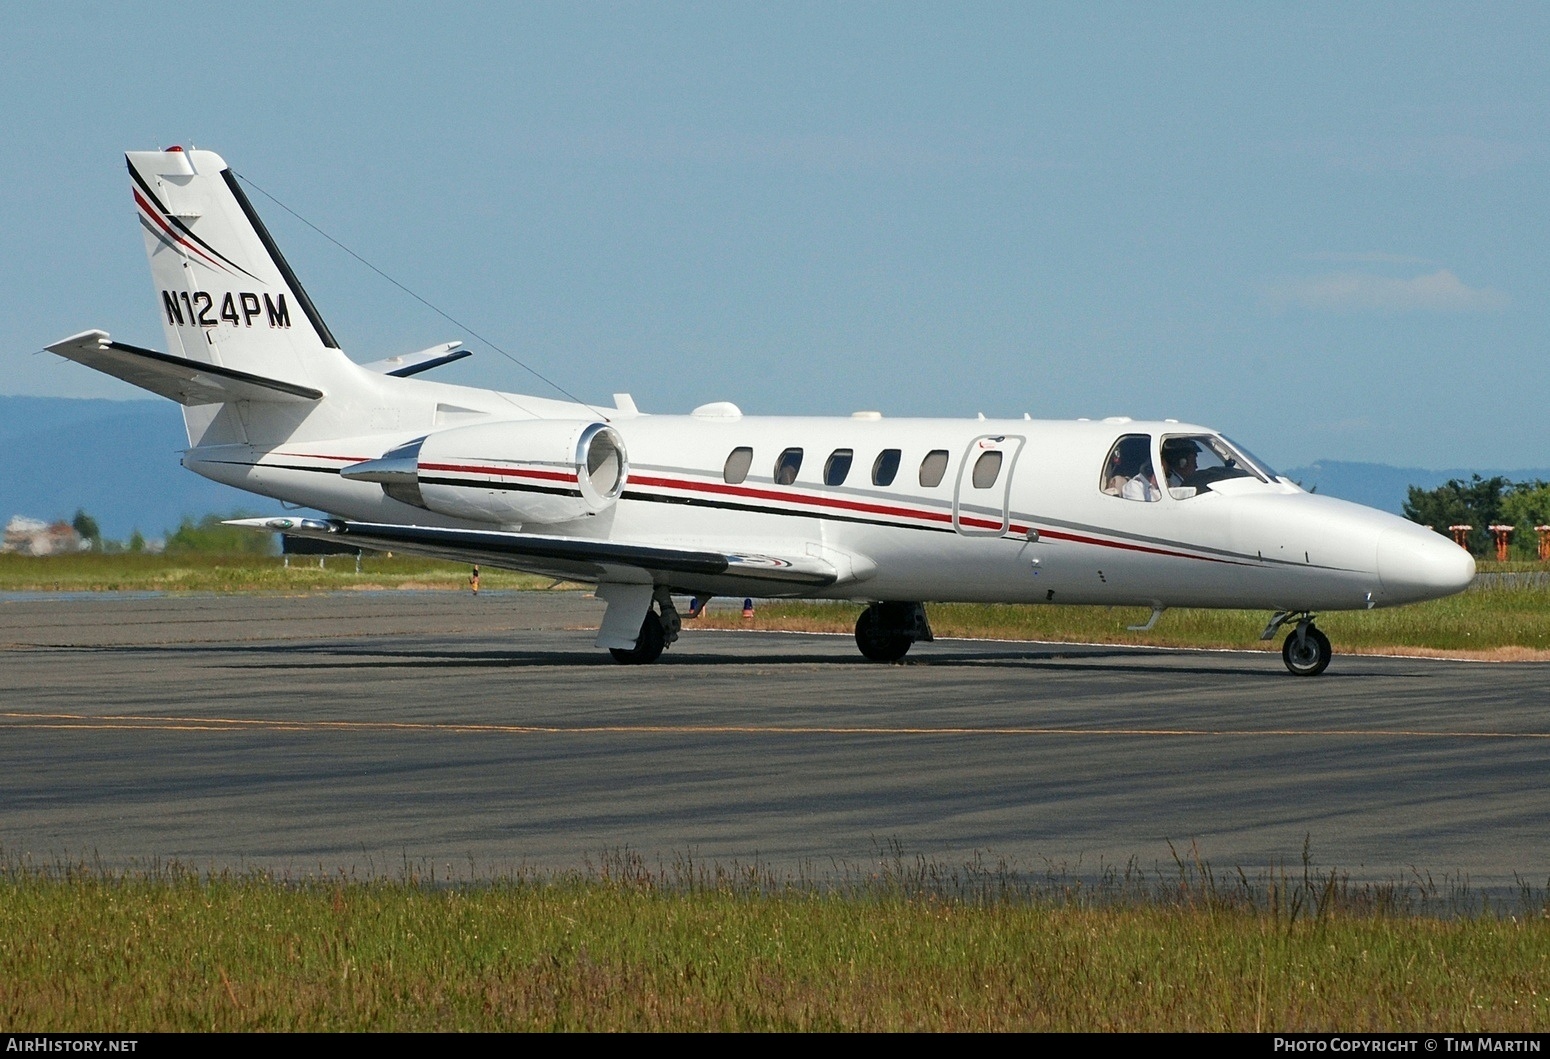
1308	658
876	642
648	648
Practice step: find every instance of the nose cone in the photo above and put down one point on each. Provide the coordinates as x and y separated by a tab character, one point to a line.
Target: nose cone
1415	564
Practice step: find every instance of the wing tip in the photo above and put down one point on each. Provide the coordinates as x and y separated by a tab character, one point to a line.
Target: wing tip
91	339
282	524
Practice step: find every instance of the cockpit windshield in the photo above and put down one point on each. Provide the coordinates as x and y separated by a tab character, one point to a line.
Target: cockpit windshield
1265	470
1190	465
1193	462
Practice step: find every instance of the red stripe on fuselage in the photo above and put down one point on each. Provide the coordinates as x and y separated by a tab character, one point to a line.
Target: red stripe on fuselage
754	493
505	472
315	456
1077	538
793	498
886	509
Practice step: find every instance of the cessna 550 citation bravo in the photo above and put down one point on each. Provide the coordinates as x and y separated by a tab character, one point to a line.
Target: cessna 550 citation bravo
888	513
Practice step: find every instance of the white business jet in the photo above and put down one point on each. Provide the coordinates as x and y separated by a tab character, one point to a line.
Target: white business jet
888	513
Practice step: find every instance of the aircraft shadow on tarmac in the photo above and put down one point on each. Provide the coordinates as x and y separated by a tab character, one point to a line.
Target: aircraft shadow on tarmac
336	655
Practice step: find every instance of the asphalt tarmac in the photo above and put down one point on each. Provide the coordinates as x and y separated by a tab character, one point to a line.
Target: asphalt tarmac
364	732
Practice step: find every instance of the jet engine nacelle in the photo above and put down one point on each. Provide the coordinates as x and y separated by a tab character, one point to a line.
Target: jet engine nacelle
539	471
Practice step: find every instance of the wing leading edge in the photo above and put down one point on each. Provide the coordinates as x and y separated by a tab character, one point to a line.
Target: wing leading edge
573	558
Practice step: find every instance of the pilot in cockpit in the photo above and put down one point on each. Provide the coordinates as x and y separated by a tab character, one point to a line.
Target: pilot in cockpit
1181	457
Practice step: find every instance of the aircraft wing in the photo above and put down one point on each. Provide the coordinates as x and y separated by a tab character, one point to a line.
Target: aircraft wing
184	381
574	558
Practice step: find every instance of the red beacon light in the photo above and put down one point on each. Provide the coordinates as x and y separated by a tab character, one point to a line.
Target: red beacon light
174	147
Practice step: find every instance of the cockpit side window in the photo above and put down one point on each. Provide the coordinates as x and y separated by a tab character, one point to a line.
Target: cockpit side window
1128	471
1194	462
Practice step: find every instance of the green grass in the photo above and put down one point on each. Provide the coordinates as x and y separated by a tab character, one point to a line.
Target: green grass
127	572
1507	620
628	948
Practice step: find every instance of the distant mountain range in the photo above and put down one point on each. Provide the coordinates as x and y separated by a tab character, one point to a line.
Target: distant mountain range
1386	488
118	461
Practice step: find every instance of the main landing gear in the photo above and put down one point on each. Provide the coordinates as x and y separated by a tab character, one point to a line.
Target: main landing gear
656	632
885	631
1306	651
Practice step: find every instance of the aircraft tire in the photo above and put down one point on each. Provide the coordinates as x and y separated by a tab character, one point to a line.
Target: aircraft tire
876	642
1311	657
648	648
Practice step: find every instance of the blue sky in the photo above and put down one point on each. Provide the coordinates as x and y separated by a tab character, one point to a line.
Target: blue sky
1320	228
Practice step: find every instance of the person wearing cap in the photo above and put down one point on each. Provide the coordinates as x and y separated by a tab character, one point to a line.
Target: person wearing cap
1180	456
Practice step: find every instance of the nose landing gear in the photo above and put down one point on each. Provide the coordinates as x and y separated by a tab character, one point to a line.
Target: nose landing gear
1306	651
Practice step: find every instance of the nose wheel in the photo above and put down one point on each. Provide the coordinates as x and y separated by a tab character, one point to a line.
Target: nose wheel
1306	651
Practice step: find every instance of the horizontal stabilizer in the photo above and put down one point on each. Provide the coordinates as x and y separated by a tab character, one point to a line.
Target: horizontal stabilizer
578	558
184	381
413	363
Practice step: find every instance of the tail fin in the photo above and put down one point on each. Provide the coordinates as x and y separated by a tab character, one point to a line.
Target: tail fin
226	295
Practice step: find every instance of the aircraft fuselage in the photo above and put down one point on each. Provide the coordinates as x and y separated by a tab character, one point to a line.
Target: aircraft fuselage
1042	530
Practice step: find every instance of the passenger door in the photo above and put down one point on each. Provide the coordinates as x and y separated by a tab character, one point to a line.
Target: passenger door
982	495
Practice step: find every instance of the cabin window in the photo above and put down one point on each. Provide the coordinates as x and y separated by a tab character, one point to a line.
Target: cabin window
837	468
987	469
787	466
1128	471
737	466
932	468
886	467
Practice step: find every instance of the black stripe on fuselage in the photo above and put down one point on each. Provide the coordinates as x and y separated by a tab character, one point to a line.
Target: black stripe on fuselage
513	487
271	466
1125	539
757	509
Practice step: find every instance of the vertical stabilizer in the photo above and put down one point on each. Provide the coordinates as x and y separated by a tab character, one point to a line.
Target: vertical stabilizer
224	291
